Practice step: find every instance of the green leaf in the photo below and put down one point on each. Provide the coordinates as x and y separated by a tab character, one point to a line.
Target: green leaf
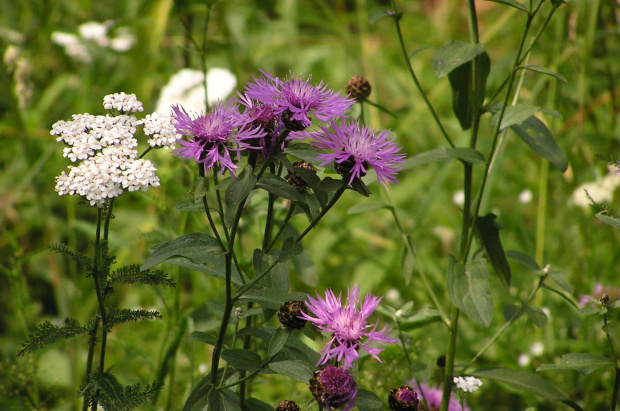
523	259
378	14
190	205
461	82
544	70
241	359
258	405
367	401
419	318
445	154
612	221
536	316
203	337
196	247
290	248
469	290
512	3
278	186
523	380
582	362
277	342
294	369
538	137
237	192
561	278
454	54
48	333
510	311
487	231
198	399
358	185
305	152
516	114
270	298
609	328
278	277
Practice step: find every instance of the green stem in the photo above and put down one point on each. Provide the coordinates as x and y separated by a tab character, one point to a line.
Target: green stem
269	222
415	78
449	370
201	173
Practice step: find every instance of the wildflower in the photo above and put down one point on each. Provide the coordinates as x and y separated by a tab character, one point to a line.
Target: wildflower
403	399
525	197
432	397
162	130
347	325
355	149
296	98
467	384
287	406
297	181
290	315
265	118
333	387
213	136
122	102
359	88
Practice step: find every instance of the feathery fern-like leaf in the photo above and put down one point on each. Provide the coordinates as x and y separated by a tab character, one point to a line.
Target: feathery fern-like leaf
131	274
47	333
123	315
80	258
105	388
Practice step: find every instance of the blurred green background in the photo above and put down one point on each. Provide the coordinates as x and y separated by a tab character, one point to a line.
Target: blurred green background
332	40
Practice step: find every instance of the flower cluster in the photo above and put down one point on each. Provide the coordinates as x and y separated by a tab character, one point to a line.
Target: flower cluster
105	149
467	384
432	398
274	111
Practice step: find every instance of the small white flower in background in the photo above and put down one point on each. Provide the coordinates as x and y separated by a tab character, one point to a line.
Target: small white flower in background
72	45
467	384
186	88
525	197
537	349
459	198
161	128
123	41
524	360
601	190
96	32
21	70
127	103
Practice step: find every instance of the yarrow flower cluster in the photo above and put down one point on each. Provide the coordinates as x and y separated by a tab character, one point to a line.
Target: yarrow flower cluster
467	384
105	148
348	326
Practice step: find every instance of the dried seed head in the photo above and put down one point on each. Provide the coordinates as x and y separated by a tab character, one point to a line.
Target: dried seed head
359	88
290	315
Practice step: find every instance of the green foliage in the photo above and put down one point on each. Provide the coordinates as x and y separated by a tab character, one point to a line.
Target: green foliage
47	333
116	316
132	274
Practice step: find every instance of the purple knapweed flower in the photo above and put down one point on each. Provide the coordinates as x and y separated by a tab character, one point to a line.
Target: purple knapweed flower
266	119
347	325
354	149
333	387
296	98
432	396
213	136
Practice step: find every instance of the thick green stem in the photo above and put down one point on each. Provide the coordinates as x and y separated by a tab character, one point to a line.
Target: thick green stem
449	370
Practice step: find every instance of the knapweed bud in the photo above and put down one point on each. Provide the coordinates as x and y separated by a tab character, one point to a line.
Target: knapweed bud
290	315
345	168
403	399
287	406
333	387
295	180
604	300
290	123
359	88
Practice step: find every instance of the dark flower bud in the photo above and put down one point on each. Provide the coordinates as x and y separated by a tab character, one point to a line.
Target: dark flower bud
333	387
403	399
290	315
287	406
359	88
441	361
604	300
345	168
293	125
295	180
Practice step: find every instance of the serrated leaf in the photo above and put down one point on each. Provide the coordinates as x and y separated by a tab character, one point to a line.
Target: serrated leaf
511	3
366	206
237	192
196	247
546	71
538	137
294	369
582	362
536	316
487	231
454	54
516	114
612	221
523	259
469	290
277	342
241	359
523	380
462	85
445	154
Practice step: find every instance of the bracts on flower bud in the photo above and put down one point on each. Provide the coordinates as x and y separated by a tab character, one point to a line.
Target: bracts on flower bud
359	88
403	399
333	387
290	315
295	179
286	405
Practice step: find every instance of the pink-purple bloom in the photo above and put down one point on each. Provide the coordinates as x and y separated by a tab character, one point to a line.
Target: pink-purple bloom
333	387
432	396
348	326
355	149
296	98
213	136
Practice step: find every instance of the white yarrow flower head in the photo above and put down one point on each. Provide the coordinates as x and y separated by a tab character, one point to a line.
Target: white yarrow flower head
467	384
162	130
126	103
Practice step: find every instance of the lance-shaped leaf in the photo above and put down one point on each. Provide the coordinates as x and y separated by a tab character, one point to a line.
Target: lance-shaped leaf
294	369
445	154
543	70
612	221
582	362
196	247
487	231
454	54
512	3
237	192
516	114
278	186
469	290
244	360
464	87
538	137
368	401
523	259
